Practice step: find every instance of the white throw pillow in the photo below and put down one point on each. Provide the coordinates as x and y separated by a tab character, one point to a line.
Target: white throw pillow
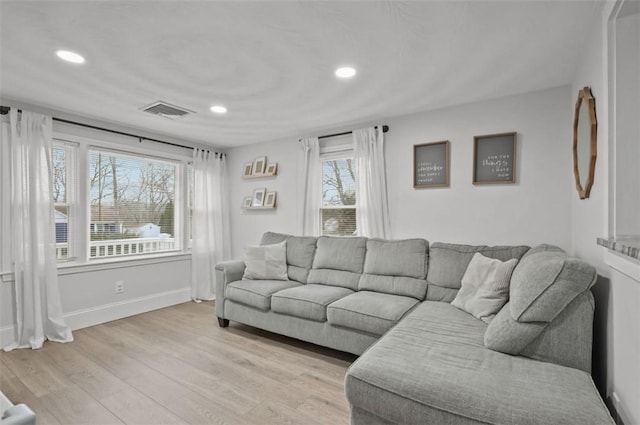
266	262
485	286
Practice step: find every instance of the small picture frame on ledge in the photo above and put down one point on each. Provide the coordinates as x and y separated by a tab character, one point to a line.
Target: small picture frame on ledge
246	202
247	169
258	197
272	169
270	200
259	165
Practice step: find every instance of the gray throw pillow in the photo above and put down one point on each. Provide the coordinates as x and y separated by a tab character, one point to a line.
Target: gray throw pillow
485	286
266	262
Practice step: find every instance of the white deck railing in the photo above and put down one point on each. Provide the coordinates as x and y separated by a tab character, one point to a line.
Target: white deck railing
121	247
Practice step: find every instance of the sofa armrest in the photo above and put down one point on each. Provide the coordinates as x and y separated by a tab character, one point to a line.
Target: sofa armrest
226	272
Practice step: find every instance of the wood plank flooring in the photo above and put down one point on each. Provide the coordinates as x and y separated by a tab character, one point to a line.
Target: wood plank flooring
176	366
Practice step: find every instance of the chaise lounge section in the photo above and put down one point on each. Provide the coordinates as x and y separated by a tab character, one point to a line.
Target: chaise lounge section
422	360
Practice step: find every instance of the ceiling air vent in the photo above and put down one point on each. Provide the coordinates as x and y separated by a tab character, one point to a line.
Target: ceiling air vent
166	110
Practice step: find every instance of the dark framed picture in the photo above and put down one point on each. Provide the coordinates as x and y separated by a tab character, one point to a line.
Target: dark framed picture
247	169
494	158
431	165
270	199
258	197
259	165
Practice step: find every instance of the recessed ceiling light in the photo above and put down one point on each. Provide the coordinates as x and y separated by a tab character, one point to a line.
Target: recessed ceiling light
345	72
218	109
70	56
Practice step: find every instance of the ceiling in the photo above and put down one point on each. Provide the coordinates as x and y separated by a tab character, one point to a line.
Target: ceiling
272	63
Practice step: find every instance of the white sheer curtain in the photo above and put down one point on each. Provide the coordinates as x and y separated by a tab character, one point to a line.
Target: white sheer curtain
210	241
26	154
311	186
371	183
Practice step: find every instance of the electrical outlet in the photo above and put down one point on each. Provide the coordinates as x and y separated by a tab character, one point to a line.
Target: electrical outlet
119	287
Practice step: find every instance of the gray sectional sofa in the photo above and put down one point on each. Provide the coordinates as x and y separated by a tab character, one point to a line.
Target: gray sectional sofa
422	360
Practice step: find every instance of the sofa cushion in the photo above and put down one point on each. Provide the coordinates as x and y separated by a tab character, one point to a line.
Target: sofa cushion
307	301
397	258
338	262
448	263
432	367
269	238
370	312
485	287
300	253
545	282
394	285
340	278
550	307
256	293
266	262
396	267
337	253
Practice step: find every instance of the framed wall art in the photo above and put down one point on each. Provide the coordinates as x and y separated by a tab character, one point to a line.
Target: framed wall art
431	165
270	200
259	166
494	158
272	169
247	170
246	202
258	197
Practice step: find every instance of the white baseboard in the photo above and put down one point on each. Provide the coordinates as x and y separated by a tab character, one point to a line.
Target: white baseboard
106	313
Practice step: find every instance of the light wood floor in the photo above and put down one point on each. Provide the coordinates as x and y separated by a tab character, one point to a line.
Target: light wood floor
176	366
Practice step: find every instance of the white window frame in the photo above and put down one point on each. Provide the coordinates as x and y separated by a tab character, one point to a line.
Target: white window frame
71	192
79	231
330	153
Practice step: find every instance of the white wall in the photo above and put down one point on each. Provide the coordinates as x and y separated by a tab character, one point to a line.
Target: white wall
487	214
534	210
247	226
88	297
617	320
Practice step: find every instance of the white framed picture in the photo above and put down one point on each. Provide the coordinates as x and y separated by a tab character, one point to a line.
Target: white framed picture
247	169
259	166
246	202
270	199
272	169
258	197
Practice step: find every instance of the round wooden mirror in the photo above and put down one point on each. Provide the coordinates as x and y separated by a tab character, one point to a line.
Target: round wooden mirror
585	129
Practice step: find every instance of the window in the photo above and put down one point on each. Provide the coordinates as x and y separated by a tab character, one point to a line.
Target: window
338	211
63	179
131	204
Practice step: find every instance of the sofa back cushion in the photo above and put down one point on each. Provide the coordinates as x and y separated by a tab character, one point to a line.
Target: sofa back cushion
300	253
339	261
396	267
544	283
550	313
448	263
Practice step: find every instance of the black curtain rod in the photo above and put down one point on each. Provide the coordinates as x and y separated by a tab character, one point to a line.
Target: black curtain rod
5	110
385	128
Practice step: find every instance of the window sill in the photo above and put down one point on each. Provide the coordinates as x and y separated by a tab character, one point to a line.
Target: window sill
621	260
68	268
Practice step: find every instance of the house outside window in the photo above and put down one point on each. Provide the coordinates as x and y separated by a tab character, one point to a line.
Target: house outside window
132	204
339	198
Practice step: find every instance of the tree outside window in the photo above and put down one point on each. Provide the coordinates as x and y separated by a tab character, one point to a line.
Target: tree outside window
131	198
338	211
